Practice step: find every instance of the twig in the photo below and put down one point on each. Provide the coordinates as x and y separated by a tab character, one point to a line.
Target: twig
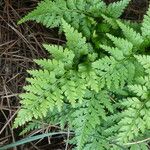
138	142
67	142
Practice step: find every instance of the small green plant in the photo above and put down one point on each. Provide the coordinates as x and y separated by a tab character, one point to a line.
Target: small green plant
98	84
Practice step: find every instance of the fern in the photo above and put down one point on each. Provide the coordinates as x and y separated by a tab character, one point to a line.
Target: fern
133	121
81	14
116	9
89	116
31	126
135	38
116	70
146	25
136	116
98	83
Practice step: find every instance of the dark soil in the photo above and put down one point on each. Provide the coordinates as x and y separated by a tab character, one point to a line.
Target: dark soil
19	45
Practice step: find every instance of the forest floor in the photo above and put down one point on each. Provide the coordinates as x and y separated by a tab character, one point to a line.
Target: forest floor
19	45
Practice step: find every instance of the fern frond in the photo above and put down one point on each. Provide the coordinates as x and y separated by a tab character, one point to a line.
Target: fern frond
30	127
135	38
146	25
46	13
139	90
115	52
135	121
90	77
111	21
80	14
114	70
61	54
78	43
73	91
114	73
97	7
141	146
122	44
50	13
90	116
144	80
116	9
136	116
43	13
144	60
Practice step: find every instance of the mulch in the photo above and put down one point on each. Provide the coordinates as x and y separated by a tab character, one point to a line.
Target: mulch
19	45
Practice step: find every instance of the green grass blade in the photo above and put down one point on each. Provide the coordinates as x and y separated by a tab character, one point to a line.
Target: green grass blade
30	139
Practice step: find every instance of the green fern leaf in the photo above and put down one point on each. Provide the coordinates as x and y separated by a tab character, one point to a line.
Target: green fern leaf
122	44
136	116
135	38
144	60
146	25
61	54
77	44
116	9
31	126
113	73
142	146
89	116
